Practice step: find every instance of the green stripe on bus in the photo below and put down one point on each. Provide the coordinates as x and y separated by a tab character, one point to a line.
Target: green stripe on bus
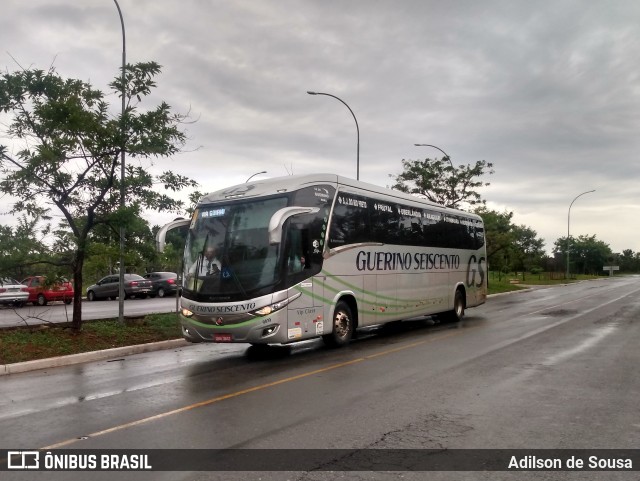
389	310
356	288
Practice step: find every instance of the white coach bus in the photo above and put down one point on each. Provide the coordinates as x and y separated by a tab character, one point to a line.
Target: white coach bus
292	258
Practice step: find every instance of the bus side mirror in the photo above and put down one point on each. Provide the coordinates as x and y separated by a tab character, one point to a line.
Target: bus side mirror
279	218
162	233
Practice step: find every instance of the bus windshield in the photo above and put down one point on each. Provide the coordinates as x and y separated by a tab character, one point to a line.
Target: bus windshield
228	255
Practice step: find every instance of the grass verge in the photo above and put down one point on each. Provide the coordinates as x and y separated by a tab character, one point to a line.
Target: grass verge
39	342
518	281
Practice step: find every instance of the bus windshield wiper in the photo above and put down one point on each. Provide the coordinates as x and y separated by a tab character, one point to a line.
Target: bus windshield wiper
226	261
199	262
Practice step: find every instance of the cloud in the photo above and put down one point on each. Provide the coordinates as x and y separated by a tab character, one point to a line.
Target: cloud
546	91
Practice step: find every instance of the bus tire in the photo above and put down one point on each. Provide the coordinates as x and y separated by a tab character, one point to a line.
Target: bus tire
343	326
457	313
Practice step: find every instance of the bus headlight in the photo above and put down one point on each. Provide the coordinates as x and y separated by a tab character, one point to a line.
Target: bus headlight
266	310
186	312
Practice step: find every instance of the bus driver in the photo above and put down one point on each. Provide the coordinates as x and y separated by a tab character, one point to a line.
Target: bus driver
207	264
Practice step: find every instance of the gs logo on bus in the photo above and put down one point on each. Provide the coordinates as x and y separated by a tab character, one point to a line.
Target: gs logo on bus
475	267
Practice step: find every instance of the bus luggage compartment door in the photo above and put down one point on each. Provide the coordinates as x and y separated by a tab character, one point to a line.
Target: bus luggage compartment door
304	315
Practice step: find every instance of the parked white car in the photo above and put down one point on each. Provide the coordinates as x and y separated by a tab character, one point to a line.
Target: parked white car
12	292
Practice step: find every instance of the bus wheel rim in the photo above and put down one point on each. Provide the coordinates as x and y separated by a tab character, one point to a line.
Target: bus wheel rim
341	324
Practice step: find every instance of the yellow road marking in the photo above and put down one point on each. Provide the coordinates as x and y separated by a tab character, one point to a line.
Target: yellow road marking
247	391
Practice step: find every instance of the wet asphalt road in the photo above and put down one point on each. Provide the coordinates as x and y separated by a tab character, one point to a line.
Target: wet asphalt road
544	369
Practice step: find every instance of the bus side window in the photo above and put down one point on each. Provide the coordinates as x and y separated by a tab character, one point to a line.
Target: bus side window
479	236
350	221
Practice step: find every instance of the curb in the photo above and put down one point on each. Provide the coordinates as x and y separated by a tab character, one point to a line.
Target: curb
498	294
59	361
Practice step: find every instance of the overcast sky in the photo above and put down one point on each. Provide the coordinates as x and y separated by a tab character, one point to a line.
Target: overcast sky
547	91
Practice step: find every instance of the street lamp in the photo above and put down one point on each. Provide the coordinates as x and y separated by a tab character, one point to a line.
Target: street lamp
122	174
445	154
451	163
357	128
257	173
568	221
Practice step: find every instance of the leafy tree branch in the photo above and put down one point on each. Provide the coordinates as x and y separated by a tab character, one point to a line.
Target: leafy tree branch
68	153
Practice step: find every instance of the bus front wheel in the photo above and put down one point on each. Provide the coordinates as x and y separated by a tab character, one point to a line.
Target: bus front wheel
342	326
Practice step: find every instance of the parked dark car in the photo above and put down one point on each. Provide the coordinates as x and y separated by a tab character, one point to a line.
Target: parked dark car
41	293
108	287
163	283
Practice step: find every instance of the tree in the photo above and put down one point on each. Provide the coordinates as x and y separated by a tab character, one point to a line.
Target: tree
22	246
440	182
527	249
510	246
499	236
65	153
629	261
588	254
104	252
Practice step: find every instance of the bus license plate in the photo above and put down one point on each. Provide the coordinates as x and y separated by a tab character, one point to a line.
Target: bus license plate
222	337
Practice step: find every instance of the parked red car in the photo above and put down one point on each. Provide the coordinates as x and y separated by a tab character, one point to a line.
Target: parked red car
40	293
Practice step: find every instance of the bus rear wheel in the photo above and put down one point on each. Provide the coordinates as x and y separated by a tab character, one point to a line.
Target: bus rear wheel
457	313
342	326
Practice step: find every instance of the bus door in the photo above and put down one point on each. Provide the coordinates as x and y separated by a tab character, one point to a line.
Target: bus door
305	317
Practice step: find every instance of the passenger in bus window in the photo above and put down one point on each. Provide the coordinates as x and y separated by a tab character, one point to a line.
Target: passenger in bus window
296	263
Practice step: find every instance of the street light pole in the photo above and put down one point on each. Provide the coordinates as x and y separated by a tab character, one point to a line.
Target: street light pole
445	154
257	173
357	128
450	163
122	170
568	221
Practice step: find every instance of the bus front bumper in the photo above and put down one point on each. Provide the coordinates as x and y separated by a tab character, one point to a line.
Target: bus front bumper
257	332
